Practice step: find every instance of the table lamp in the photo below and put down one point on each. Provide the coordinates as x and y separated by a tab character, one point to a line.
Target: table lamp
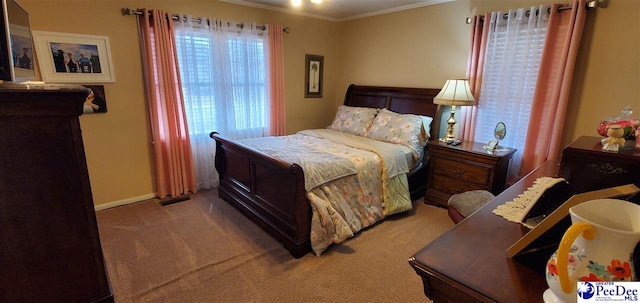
455	92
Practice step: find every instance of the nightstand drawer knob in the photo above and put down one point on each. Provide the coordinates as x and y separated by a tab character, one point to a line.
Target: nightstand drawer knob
459	172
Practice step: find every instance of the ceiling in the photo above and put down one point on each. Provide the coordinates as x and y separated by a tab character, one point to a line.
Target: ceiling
338	10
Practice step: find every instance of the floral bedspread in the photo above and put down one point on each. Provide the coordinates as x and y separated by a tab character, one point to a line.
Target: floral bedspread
346	204
321	160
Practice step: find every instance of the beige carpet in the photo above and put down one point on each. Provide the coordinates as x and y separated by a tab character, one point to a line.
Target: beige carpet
204	250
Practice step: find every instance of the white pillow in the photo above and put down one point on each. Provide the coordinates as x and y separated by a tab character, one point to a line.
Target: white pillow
353	120
426	123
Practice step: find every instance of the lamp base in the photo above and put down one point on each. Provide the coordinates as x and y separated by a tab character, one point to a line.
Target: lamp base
450	137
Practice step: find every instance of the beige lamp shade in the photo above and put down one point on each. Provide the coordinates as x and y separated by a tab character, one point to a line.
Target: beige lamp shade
455	92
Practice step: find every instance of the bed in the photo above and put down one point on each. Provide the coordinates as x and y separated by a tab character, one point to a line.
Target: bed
272	192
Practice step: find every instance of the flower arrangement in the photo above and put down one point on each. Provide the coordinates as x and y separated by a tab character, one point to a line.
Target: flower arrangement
630	125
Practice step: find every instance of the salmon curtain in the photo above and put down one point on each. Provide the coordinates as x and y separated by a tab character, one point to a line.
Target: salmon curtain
173	160
475	67
551	97
276	77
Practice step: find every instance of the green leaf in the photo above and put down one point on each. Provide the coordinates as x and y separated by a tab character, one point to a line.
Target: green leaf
597	269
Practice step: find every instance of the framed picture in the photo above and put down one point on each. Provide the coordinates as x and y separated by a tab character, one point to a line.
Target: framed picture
96	101
313	76
73	58
22	51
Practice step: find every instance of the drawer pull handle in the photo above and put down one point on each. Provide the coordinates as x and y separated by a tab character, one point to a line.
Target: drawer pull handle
459	172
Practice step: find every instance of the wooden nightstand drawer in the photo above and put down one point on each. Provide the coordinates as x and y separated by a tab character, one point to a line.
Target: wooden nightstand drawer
462	171
468	166
453	186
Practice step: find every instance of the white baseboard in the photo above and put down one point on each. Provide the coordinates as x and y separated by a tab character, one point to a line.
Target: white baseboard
131	200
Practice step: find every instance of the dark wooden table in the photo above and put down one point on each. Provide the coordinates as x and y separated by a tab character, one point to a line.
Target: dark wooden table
469	262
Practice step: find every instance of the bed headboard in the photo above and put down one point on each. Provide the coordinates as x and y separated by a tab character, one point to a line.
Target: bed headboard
402	100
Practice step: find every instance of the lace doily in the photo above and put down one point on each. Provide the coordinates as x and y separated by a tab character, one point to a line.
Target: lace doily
516	209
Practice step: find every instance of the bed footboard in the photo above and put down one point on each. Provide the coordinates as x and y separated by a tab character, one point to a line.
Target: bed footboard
268	191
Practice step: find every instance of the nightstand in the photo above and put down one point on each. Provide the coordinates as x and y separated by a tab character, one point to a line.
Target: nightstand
467	166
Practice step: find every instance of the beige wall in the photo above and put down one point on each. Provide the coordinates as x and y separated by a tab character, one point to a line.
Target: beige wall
416	48
422	47
117	143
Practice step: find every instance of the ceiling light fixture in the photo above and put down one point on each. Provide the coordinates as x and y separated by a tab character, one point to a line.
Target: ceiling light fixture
299	2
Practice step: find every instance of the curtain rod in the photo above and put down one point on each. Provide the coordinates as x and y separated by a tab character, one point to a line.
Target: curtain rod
130	11
588	5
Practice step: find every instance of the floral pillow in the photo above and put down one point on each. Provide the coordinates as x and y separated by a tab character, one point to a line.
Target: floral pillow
353	120
406	129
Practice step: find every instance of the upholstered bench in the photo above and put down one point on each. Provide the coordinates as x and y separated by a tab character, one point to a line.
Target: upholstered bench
464	204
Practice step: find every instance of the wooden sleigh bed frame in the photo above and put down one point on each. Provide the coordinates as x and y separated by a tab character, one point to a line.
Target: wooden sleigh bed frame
271	192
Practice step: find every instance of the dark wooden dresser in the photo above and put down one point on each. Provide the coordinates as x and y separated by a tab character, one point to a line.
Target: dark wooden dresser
50	249
468	166
587	167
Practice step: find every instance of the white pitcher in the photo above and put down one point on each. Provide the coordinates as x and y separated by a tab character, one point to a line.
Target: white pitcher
599	246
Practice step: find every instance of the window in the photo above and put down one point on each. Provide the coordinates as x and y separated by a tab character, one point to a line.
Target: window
224	82
512	61
225	85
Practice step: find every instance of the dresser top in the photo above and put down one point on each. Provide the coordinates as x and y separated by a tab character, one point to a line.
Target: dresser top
593	146
18	100
39	86
475	147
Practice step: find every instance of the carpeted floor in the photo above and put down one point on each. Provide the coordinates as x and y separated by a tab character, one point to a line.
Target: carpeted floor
204	250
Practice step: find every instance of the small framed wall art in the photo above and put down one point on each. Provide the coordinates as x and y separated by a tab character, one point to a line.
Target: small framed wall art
73	58
313	76
96	101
